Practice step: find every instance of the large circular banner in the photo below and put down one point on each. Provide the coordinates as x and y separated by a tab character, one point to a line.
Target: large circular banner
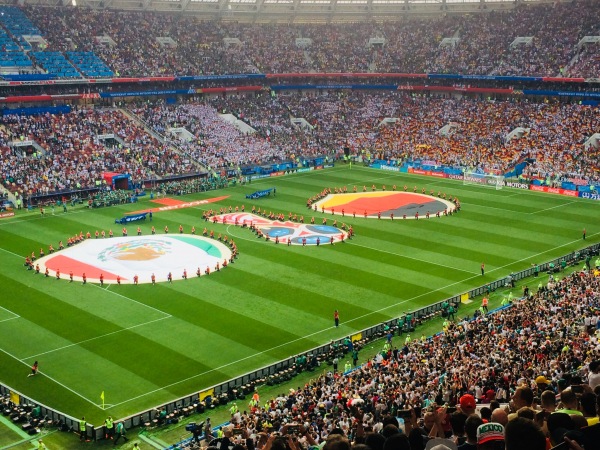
123	258
384	205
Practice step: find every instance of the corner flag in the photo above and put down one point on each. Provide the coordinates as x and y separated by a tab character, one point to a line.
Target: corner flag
102	397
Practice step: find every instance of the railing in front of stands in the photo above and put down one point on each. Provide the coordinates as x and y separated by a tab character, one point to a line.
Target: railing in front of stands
220	391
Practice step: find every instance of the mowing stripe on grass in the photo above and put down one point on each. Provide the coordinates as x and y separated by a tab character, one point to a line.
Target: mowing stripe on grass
50	378
97	337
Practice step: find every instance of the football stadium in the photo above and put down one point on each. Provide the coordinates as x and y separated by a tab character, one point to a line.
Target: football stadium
300	224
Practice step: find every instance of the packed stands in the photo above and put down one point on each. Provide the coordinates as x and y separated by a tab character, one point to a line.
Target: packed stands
74	157
537	40
553	146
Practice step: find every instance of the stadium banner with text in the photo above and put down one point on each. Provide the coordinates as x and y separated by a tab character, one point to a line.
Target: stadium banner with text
259	194
429	173
131	218
456	76
532	187
346	75
142	80
356	337
146	93
590	195
551	190
516	185
241	76
388	168
5	214
471	90
299	87
545	93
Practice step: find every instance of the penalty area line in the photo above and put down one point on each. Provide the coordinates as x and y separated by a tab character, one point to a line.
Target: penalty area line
414	259
97	337
50	378
131	300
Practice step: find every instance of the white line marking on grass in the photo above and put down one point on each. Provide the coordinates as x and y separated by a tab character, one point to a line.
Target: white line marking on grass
50	378
29	219
97	337
10	318
492	207
131	300
99	287
414	259
9	311
552	207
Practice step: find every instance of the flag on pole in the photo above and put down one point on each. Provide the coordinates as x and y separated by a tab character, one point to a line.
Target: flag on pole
102	397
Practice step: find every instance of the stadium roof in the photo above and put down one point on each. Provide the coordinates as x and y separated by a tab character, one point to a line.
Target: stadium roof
295	10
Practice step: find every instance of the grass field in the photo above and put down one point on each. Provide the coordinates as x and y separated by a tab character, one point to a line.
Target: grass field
145	345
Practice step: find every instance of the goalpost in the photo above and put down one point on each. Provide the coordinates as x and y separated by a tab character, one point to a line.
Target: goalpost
482	179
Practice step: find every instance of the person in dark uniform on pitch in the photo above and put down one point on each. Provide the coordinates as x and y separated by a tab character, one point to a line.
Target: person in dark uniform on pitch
336	318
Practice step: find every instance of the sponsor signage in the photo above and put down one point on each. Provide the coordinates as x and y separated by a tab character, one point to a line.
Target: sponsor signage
517	185
551	190
430	173
5	214
590	195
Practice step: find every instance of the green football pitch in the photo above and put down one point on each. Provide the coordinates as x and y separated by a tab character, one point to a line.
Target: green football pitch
146	345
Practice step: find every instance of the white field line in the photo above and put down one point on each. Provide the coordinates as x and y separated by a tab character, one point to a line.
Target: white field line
50	378
99	287
552	207
97	337
415	259
11	318
9	311
45	217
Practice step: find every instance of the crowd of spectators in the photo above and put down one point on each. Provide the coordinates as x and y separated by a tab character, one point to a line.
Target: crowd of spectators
217	143
466	133
540	357
476	138
482	42
73	157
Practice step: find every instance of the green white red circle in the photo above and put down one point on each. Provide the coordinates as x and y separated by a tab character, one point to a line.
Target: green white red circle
126	257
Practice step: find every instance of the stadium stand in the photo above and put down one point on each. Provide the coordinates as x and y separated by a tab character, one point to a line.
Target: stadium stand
55	63
547	341
89	64
553	147
550	336
73	157
533	40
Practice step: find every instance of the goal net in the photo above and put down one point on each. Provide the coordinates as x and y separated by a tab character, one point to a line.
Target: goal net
482	179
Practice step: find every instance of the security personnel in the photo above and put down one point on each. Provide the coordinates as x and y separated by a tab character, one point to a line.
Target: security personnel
109	428
82	429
